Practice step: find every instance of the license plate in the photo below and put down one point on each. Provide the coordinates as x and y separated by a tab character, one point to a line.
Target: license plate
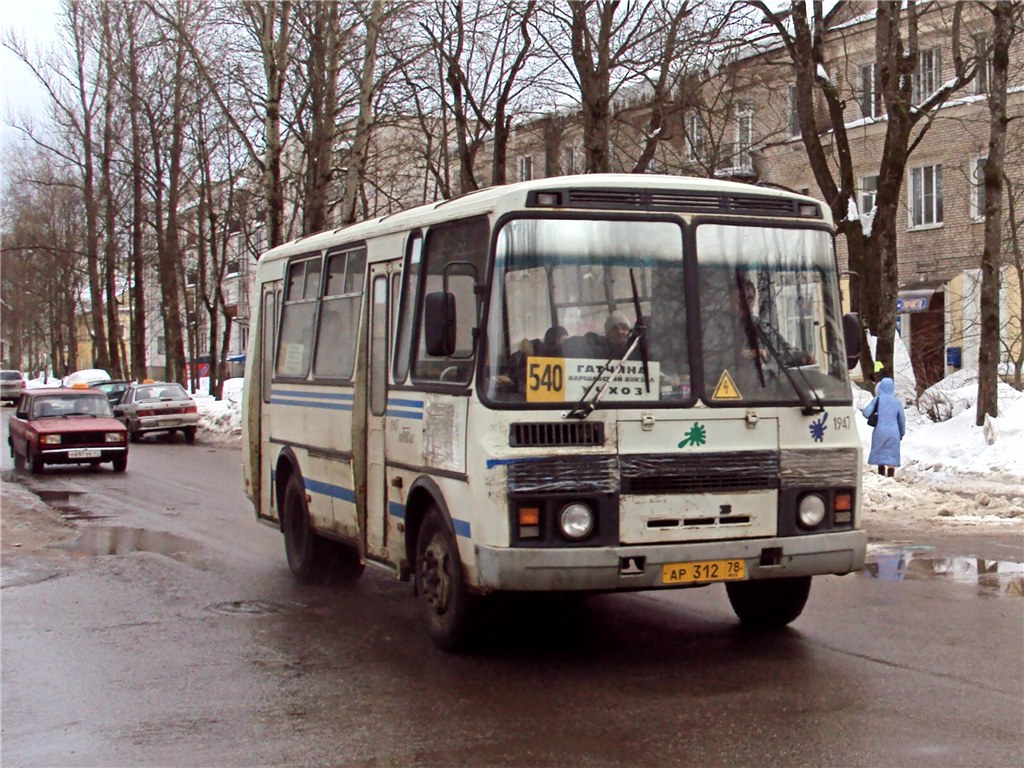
84	453
703	570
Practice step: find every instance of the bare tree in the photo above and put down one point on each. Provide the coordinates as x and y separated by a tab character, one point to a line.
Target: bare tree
872	253
1006	18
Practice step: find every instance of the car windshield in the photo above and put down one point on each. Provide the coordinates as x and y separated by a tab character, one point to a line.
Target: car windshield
160	392
10	376
70	405
585	309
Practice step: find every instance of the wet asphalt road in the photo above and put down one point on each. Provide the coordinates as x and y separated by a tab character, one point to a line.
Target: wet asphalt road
191	645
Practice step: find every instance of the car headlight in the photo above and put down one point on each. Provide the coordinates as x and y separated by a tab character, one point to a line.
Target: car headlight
115	437
811	510
49	439
576	521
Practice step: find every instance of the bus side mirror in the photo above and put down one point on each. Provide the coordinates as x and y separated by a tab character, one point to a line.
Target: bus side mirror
851	338
439	323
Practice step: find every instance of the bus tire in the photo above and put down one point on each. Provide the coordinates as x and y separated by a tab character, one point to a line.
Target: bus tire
769	603
308	555
445	603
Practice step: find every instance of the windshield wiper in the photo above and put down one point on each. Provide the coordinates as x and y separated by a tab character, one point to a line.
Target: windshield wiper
809	408
584	407
640	330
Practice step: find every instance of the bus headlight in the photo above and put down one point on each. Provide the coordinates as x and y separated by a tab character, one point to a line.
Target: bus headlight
811	510
576	521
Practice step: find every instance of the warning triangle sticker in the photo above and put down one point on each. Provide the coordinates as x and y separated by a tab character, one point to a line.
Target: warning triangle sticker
726	389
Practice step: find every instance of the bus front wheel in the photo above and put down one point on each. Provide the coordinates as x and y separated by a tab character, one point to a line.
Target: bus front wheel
769	603
440	589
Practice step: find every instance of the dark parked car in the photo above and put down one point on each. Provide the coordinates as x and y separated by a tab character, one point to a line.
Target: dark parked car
114	390
12	384
66	426
158	407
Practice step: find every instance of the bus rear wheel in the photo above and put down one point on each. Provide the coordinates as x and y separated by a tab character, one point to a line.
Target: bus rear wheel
445	603
313	559
307	553
769	603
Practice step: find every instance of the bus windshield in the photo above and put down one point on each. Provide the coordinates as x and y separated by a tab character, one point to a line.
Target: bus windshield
587	308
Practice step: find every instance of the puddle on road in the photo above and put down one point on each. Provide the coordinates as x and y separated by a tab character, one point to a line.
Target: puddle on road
915	563
62	502
122	541
249	607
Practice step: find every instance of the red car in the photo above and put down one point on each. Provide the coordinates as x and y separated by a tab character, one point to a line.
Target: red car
66	426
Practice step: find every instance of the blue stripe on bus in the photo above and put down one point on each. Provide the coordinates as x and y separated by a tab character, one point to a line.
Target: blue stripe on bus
406	403
400	414
334	491
492	463
344	396
395	509
311	404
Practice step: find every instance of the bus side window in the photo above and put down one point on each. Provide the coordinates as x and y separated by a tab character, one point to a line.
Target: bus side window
295	342
454	258
404	326
338	324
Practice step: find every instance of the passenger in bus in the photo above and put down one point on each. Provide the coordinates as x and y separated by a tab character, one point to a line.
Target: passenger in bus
553	338
611	346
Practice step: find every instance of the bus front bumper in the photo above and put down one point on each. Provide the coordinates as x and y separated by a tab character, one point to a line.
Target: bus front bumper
630	567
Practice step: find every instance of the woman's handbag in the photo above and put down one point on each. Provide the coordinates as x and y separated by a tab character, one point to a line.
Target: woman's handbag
873	416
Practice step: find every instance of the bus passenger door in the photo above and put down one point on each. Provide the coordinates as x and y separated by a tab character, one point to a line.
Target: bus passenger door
376	491
262	462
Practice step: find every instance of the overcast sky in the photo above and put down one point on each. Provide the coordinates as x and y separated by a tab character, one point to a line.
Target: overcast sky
35	21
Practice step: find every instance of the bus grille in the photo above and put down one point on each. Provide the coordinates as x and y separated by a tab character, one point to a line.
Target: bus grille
643	474
556	434
686	201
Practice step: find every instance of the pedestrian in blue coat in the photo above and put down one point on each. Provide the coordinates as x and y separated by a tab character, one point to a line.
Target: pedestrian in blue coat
887	434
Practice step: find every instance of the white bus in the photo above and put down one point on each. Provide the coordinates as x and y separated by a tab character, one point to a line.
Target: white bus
590	383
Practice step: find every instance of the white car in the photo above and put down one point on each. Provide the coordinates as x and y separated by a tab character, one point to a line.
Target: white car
12	384
86	376
158	406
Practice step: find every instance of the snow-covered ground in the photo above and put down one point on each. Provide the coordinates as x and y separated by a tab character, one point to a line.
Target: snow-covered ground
954	474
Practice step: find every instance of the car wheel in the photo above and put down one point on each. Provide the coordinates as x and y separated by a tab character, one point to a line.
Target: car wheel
309	555
120	463
35	463
190	434
445	603
769	603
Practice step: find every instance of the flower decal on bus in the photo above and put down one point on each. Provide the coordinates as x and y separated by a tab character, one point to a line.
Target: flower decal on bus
696	436
818	428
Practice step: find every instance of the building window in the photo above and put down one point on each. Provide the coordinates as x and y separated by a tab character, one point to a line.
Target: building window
867	190
978	189
525	168
867	95
928	74
694	137
794	113
232	267
191	276
744	133
926	196
161	345
983	51
569	160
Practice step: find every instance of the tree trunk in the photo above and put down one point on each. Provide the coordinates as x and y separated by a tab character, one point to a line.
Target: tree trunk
1003	15
357	159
